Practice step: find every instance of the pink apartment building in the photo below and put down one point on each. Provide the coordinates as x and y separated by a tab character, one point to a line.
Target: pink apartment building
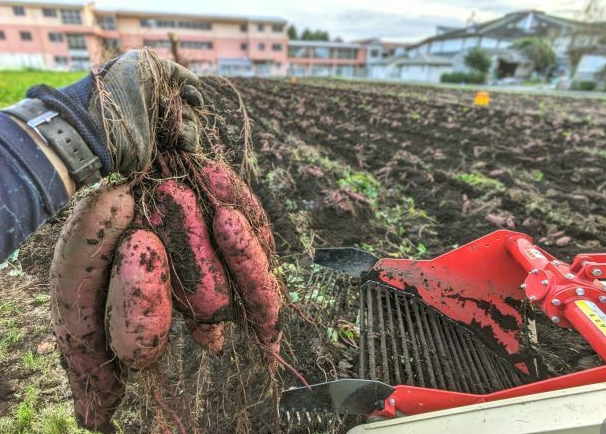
66	36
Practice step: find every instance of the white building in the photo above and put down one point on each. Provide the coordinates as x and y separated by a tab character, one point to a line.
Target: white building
428	59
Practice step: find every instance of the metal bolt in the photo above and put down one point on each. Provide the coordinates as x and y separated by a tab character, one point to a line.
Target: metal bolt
596	272
580	291
569	276
534	271
545	282
392	401
602	299
533	298
556	302
555	319
523	286
556	262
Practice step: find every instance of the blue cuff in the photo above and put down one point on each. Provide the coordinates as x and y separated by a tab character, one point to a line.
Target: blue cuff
31	190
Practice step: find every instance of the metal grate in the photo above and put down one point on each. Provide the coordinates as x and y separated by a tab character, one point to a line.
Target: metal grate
403	341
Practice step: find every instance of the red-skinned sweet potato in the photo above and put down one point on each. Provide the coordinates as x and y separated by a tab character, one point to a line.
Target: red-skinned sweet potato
227	187
79	279
139	307
209	336
200	285
250	268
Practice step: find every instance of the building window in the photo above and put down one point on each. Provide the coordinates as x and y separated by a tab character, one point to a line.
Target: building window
71	16
299	52
26	36
244	46
276	47
157	43
196	45
60	61
49	13
2	35
277	28
197	25
107	23
261	27
321	53
146	23
244	28
76	42
19	11
167	24
55	37
261	46
345	53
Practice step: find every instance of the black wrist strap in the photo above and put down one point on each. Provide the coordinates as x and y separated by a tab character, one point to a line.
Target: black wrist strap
83	166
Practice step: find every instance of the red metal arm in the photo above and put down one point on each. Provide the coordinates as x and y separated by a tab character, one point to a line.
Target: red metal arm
569	295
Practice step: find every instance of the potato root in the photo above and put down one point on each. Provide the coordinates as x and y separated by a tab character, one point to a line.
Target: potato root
79	278
208	336
139	308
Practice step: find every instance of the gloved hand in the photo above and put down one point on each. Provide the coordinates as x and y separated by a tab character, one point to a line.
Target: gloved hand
119	268
118	109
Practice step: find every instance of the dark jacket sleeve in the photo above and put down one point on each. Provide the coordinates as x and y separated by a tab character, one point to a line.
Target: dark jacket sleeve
31	190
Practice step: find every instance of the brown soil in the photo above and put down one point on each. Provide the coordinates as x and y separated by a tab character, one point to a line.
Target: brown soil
402	171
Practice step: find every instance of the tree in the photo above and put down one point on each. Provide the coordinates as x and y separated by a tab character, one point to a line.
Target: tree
539	52
590	32
292	32
315	35
477	60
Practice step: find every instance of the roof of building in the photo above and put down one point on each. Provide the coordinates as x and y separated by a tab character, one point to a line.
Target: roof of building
379	41
45	3
189	14
322	44
423	59
147	13
510	26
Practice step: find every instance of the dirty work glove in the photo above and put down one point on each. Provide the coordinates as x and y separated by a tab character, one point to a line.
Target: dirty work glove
126	93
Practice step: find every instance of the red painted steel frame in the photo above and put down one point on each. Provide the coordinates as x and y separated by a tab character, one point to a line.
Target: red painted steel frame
503	269
409	400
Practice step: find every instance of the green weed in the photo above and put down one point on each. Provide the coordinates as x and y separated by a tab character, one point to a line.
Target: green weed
42	298
483	182
362	183
32	362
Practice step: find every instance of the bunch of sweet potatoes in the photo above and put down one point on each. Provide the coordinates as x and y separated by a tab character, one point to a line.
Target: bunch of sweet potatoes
117	275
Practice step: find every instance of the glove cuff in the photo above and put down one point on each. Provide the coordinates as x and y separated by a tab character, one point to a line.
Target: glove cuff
71	105
83	166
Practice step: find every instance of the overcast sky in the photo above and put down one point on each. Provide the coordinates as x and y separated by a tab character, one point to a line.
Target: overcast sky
404	20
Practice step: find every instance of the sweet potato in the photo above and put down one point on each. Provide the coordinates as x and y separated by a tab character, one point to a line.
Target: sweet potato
250	268
209	336
139	308
199	282
79	277
227	187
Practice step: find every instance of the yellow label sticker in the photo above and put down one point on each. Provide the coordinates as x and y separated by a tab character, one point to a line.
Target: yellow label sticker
534	254
594	313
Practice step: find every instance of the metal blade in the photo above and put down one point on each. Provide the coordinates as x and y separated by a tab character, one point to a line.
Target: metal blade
349	260
347	396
